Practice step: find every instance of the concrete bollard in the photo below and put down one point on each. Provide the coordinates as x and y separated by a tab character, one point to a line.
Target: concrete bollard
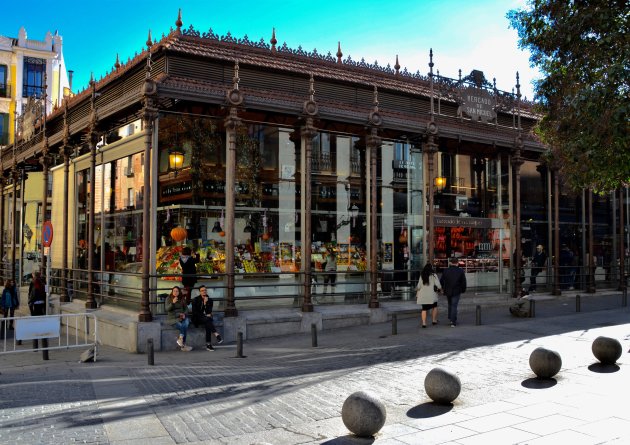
545	363
314	335
150	358
578	303
607	350
442	386
532	308
394	324
239	345
363	413
478	315
624	297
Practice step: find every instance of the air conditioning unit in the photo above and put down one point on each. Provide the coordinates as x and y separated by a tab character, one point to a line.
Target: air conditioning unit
129	171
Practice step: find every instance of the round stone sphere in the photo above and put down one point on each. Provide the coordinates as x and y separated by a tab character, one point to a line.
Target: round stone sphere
607	350
442	386
363	414
545	363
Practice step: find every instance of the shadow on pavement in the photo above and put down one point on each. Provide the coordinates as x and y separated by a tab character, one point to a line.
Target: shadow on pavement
603	368
536	383
350	439
428	409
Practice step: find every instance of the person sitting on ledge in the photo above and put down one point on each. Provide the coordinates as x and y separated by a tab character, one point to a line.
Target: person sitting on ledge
202	315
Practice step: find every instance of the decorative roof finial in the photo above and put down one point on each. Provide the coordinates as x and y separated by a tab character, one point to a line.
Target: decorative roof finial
310	107
117	63
91	77
431	62
178	22
397	66
339	53
494	83
273	40
518	86
149	41
460	74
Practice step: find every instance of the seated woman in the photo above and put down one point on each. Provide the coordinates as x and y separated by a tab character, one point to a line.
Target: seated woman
177	311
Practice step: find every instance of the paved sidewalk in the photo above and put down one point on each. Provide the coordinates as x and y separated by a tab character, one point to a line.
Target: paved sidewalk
286	392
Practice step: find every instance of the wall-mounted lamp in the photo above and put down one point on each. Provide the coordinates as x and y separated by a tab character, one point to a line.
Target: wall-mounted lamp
440	182
175	160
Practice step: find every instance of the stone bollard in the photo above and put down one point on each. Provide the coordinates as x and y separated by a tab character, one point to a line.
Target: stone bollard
545	363
394	324
363	413
442	386
607	350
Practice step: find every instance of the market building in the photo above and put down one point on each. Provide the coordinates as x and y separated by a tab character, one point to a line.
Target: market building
265	160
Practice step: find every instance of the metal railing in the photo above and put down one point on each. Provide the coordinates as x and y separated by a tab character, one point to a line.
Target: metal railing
66	330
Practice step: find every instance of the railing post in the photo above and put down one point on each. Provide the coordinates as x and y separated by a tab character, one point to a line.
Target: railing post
150	358
239	345
578	303
314	335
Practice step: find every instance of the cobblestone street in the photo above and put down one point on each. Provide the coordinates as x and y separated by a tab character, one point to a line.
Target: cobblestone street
286	392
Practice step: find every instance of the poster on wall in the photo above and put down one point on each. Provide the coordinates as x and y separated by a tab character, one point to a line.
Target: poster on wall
388	250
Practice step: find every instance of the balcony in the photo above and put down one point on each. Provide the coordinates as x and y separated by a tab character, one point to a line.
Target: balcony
5	90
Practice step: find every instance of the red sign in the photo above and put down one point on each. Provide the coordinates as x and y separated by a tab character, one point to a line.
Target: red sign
47	234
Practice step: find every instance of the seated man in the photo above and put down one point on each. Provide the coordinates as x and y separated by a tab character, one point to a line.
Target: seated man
202	315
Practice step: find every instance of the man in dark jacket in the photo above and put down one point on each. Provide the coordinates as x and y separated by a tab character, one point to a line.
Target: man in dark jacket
453	284
188	263
202	315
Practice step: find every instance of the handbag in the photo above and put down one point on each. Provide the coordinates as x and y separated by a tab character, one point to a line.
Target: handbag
436	289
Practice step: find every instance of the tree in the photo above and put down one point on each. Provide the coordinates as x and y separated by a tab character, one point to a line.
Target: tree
582	48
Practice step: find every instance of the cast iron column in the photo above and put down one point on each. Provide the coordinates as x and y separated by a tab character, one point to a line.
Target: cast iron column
622	249
431	149
556	230
591	264
232	122
234	98
373	143
16	177
517	161
307	132
149	114
45	161
65	150
3	272
90	302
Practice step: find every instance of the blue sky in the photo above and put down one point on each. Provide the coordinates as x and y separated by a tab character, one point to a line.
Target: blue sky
464	34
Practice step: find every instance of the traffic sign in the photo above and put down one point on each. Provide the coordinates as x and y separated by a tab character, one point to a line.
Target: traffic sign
47	234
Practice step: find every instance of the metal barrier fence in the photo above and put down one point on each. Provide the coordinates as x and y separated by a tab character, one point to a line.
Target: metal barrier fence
67	330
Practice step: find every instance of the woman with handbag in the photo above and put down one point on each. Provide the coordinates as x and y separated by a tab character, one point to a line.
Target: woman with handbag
427	294
177	311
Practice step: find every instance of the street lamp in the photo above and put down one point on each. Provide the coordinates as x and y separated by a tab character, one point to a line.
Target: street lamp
175	160
440	182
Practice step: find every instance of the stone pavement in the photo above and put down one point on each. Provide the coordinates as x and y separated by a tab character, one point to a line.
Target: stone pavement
286	392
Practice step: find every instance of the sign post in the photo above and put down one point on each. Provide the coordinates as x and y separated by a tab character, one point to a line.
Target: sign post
47	237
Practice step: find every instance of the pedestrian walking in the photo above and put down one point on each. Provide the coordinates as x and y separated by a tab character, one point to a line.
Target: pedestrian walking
177	311
9	302
37	300
202	315
538	262
188	262
454	284
427	292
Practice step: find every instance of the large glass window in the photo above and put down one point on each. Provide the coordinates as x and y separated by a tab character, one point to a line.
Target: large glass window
34	69
4	128
4	90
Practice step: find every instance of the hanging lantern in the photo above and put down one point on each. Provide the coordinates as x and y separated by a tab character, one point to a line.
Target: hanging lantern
222	233
179	234
265	236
